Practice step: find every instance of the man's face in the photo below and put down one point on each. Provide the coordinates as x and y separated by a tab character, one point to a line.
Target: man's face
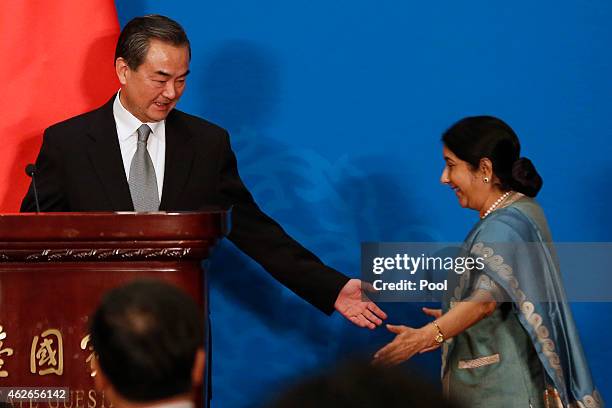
152	90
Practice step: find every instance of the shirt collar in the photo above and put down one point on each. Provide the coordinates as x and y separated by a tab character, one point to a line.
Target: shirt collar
128	123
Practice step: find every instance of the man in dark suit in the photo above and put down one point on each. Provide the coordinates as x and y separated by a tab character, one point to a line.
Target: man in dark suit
139	153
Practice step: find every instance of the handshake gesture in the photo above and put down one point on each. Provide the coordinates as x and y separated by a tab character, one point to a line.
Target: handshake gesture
354	305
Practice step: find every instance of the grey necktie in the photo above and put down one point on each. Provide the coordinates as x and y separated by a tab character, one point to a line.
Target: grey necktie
142	180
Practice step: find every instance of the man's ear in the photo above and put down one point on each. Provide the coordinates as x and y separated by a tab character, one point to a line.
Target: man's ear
122	70
197	373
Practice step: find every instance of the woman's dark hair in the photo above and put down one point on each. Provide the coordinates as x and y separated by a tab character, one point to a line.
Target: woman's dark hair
476	137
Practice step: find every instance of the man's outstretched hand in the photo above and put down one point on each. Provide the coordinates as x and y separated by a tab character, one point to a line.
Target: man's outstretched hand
356	307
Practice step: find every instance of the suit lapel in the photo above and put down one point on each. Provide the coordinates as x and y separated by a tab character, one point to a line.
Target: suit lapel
179	158
105	155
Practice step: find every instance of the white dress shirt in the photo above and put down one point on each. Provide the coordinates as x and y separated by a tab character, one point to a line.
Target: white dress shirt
127	125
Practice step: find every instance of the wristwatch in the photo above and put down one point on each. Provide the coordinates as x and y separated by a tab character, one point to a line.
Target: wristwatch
440	336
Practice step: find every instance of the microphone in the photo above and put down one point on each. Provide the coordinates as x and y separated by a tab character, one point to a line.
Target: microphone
30	170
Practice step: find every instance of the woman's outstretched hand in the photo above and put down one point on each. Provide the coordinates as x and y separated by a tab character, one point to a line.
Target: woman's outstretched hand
408	341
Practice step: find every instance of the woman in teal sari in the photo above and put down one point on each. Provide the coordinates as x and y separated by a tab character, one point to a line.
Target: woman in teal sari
507	334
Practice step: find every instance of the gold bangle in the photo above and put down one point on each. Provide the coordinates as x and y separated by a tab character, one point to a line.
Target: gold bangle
439	338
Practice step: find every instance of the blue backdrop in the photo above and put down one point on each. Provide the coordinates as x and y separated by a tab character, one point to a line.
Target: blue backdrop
336	110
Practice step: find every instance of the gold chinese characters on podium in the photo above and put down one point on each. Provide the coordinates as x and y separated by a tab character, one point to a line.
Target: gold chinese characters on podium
54	269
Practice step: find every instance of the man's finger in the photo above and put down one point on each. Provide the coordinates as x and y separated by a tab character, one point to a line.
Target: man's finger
372	317
376	310
356	321
361	321
368	323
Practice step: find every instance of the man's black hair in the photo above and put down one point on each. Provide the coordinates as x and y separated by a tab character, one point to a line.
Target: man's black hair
134	40
146	335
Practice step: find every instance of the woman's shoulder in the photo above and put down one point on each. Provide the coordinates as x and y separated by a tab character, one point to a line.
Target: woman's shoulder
529	207
534	214
516	222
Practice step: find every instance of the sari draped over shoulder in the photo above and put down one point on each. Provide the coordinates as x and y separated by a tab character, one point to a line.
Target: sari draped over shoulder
520	262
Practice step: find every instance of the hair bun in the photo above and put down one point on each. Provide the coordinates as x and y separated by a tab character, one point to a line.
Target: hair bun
526	178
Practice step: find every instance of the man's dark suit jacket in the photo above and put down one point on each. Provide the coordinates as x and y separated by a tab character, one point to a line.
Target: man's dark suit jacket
79	168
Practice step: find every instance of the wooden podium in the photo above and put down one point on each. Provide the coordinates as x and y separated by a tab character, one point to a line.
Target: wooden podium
54	269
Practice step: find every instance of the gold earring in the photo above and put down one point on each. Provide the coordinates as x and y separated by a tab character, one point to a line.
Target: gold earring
486	180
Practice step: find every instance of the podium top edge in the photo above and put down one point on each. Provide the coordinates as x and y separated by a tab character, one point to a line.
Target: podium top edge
113	226
84	214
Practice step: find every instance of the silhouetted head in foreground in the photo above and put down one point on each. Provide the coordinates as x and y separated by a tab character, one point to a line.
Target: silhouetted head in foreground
359	384
148	336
